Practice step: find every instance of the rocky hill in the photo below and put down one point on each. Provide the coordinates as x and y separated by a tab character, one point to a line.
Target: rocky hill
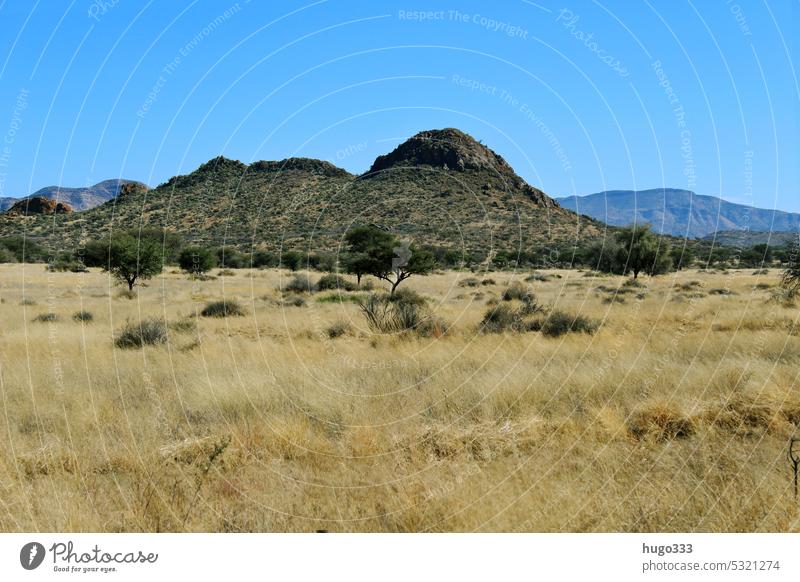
77	198
439	187
679	213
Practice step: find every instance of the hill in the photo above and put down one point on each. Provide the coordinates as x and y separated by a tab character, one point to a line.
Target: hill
440	187
679	213
77	198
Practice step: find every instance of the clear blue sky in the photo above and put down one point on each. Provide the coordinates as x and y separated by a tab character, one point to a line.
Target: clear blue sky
578	96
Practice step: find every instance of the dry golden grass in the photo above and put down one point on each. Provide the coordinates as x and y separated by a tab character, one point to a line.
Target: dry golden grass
674	416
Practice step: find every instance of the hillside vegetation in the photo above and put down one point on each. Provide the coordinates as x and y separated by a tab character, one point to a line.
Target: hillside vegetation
441	187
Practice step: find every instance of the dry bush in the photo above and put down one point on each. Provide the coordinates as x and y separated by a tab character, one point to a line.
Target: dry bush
660	421
148	332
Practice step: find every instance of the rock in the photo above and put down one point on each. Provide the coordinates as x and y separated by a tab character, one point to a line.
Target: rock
39	205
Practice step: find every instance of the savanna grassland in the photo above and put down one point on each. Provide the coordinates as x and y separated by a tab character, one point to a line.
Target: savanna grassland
674	415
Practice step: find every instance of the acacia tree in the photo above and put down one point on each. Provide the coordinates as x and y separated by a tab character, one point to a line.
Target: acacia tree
791	276
642	250
131	259
375	252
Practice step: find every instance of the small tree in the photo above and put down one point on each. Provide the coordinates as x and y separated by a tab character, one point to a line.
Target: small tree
641	250
378	253
790	280
291	260
197	260
131	259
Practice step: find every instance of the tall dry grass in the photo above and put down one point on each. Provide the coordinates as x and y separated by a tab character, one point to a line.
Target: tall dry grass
673	416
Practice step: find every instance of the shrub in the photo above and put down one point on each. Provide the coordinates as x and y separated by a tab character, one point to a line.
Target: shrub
63	266
148	332
515	291
634	283
291	260
502	318
197	260
27	302
338	329
83	316
185	325
392	314
661	422
407	297
299	284
559	323
126	294
224	308
332	281
264	259
46	318
226	273
294	301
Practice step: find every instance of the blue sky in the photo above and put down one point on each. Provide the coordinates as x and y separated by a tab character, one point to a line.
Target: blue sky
578	96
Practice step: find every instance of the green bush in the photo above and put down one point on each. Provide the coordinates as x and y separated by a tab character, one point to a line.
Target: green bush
332	281
299	284
518	291
197	260
224	308
502	317
148	332
407	297
559	323
63	266
83	316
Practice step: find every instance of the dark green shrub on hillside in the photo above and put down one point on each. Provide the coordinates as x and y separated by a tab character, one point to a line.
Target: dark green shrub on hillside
6	256
291	260
230	258
265	260
24	249
197	260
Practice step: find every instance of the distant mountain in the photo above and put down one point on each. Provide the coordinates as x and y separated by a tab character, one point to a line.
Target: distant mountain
439	187
744	238
679	212
77	198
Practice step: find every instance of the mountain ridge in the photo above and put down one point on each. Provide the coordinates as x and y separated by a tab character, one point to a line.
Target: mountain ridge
679	212
78	199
